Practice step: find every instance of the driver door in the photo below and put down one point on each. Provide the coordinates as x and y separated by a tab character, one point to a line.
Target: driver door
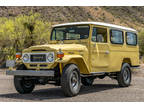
99	50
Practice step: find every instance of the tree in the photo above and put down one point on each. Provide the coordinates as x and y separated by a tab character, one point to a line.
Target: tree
23	31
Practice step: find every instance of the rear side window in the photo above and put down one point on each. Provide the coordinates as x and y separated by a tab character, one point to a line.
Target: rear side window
116	37
131	38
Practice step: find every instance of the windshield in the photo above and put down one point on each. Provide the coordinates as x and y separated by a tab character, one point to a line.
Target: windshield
70	33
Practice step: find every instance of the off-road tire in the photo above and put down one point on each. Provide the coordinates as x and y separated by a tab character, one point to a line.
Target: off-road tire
20	83
69	72
88	81
124	76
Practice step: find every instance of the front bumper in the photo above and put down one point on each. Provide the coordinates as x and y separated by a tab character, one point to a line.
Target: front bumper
47	73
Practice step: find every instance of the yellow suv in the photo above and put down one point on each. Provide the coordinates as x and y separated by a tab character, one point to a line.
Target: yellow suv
78	53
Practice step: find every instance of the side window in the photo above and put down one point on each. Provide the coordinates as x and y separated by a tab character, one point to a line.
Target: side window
99	35
116	37
131	38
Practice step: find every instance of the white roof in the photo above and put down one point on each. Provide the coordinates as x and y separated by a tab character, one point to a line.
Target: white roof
97	23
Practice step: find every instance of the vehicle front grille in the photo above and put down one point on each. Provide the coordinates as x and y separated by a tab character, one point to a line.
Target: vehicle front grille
38	58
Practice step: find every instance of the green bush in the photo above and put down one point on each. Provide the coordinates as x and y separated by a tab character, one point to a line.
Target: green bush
17	33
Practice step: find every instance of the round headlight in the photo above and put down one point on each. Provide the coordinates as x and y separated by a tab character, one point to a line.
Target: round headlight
26	58
50	57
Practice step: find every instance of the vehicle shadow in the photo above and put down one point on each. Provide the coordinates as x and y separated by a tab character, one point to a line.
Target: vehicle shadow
97	88
56	93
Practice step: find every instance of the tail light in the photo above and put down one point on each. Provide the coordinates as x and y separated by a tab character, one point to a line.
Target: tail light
18	55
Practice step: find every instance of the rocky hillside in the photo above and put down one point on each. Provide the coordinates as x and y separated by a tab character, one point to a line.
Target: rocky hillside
126	16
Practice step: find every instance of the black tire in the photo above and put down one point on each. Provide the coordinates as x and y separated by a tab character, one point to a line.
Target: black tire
70	80
88	81
22	85
124	76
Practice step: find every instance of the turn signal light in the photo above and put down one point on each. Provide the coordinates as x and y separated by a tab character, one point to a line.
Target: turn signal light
18	55
60	54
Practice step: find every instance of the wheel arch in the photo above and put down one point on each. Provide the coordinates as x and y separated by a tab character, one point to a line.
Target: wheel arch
127	60
82	65
77	60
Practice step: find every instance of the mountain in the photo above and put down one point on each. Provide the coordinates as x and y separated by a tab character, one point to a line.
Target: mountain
125	16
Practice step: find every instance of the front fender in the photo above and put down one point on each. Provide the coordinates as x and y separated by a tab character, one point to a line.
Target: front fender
76	59
67	58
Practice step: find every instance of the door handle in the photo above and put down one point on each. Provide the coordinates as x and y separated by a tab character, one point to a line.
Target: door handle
107	52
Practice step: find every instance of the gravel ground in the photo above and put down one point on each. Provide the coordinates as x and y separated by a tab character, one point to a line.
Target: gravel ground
102	91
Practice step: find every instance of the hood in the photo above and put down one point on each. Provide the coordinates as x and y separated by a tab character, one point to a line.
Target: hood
56	47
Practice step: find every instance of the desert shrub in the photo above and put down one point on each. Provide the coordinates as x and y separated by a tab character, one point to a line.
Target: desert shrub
23	31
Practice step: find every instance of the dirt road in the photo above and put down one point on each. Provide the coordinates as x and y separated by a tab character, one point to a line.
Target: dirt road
102	90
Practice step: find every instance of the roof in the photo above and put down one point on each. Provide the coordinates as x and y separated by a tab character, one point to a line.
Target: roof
97	23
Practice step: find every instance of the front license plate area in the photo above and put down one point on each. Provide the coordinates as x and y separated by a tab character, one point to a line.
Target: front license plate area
10	63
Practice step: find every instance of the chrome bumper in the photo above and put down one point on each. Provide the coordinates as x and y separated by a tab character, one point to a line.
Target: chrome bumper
30	73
